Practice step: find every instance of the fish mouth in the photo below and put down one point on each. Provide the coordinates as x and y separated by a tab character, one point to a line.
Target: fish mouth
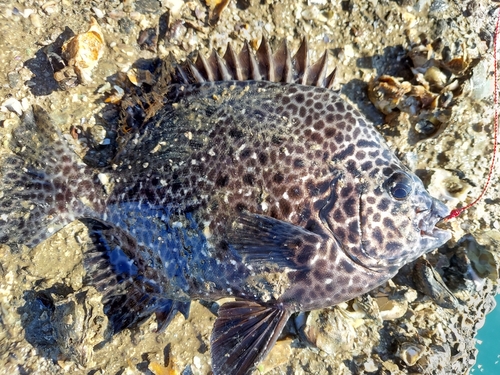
431	235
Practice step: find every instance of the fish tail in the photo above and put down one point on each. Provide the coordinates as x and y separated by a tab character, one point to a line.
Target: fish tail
43	184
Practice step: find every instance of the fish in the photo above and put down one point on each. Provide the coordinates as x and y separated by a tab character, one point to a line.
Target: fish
245	176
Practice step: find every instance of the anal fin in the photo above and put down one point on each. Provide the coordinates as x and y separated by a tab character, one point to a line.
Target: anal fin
243	335
130	278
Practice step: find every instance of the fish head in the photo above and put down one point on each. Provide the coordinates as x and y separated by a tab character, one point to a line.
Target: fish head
388	218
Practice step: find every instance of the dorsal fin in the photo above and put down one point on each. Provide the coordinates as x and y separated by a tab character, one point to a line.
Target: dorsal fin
263	64
253	64
317	72
266	61
233	63
225	75
283	63
203	65
198	77
301	62
330	79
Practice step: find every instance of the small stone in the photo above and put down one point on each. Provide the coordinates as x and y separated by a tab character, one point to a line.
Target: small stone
147	6
370	365
197	362
98	13
14	79
13	105
126	25
98	134
35	20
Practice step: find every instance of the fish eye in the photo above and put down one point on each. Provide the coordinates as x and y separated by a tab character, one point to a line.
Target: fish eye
399	185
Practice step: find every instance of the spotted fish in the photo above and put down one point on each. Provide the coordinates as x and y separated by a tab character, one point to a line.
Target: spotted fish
239	176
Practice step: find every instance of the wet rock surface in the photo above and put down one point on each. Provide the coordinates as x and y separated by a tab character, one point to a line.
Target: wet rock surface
421	322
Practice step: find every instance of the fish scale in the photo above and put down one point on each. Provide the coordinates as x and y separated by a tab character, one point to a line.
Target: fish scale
238	176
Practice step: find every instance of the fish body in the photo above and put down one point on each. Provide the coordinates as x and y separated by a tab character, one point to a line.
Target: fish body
262	187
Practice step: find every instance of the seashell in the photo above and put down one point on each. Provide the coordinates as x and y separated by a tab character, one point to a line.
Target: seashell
366	305
435	77
79	324
83	51
425	127
330	331
482	260
148	39
425	98
430	283
386	92
410	353
420	55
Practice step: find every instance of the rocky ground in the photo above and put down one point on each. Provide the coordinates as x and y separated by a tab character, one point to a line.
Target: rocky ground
435	108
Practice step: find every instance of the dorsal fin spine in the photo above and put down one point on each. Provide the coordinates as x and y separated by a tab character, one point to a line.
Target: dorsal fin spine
263	64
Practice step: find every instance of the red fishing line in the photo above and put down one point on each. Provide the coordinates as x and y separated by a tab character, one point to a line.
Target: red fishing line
457	211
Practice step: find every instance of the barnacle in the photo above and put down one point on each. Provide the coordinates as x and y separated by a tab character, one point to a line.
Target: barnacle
428	96
448	187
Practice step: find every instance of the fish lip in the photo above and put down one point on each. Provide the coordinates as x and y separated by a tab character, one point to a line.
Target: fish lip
428	220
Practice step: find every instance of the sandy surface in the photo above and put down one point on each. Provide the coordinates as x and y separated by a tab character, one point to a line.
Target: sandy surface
51	324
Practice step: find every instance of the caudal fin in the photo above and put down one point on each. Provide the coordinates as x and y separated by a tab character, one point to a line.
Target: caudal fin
243	335
43	185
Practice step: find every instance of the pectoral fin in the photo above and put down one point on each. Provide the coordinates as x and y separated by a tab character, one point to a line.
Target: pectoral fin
262	240
243	335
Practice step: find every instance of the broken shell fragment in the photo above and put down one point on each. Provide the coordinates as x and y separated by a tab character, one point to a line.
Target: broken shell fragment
410	353
216	8
116	95
140	76
83	51
391	309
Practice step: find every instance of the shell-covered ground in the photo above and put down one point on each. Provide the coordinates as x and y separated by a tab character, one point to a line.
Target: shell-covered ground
428	67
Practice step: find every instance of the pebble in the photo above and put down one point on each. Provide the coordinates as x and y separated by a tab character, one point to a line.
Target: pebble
25	13
98	13
14	79
49	7
13	105
35	20
197	362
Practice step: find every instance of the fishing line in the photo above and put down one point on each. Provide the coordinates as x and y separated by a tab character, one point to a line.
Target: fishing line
457	211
